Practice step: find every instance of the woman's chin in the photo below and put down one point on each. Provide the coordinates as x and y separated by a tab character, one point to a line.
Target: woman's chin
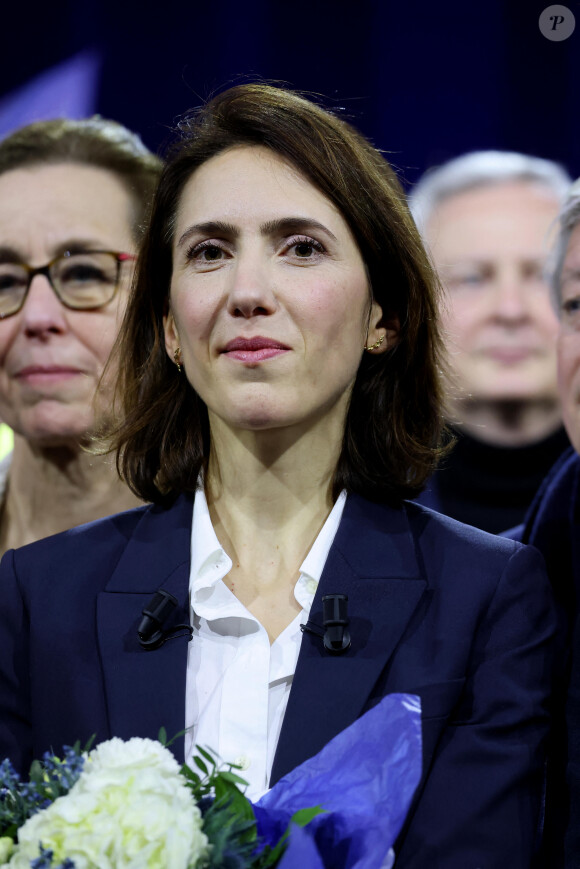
259	423
253	416
54	433
57	440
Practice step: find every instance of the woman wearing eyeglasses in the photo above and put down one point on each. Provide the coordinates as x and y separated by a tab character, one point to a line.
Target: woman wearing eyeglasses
73	199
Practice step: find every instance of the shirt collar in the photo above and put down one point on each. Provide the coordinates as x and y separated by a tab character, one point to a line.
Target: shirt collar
209	560
210	563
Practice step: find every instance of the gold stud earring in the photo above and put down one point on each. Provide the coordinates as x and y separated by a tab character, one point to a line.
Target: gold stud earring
376	344
177	358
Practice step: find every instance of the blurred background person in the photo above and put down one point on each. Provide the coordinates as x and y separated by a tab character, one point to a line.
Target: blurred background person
74	197
552	525
486	218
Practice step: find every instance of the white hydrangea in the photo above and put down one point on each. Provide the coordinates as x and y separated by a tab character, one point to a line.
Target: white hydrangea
129	809
6	848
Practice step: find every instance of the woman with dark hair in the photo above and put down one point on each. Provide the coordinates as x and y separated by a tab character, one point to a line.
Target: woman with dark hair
74	198
280	396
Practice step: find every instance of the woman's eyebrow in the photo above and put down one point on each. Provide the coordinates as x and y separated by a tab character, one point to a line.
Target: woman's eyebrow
10	255
210	227
288	225
78	245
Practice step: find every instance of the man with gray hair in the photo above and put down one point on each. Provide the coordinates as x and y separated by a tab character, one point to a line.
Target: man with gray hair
486	219
552	525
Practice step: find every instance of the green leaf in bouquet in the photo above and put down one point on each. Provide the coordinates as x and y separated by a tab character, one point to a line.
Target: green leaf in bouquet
233	777
10	832
208	756
200	764
228	794
303	816
36	773
232	839
86	747
271	856
190	775
167	743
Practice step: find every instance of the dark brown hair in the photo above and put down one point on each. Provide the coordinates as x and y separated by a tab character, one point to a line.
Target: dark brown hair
94	142
393	427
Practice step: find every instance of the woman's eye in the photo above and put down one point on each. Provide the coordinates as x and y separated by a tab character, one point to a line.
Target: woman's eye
211	253
84	274
205	252
571	306
304	248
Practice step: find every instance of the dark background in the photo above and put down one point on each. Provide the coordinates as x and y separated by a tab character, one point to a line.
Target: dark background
424	80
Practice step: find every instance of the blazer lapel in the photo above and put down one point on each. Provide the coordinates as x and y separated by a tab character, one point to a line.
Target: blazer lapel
373	561
145	690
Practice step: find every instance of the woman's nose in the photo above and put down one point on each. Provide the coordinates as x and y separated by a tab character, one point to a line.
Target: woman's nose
42	311
251	291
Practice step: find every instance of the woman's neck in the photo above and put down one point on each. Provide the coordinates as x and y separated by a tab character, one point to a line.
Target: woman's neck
507	423
269	494
267	482
52	489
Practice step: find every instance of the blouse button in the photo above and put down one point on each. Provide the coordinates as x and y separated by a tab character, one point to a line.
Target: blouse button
243	762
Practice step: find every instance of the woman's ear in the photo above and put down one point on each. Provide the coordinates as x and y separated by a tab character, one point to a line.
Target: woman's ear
383	332
171	336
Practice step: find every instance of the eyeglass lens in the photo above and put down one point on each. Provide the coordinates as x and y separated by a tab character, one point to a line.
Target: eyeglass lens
81	280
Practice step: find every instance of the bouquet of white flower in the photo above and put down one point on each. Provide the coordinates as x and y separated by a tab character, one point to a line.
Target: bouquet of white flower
128	805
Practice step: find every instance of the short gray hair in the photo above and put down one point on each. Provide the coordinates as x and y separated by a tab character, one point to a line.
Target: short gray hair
568	219
482	169
95	141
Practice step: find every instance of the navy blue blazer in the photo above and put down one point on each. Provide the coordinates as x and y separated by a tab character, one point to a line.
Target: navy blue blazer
463	619
552	525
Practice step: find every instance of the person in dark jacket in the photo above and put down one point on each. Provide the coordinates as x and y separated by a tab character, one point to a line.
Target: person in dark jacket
552	525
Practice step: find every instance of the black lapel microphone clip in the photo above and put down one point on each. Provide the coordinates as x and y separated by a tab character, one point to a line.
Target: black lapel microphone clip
155	614
334	633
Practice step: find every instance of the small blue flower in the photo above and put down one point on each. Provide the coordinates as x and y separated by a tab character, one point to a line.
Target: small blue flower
44	861
9	778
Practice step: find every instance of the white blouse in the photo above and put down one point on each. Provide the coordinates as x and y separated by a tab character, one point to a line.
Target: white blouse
237	683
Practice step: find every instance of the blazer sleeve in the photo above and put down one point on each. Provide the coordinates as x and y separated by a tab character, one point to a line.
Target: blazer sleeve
481	803
15	689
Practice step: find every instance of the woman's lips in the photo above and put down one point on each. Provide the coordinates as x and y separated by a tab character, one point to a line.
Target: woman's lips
510	355
254	349
37	375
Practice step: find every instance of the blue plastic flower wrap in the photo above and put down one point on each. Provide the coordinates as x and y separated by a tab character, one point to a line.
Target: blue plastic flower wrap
364	779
